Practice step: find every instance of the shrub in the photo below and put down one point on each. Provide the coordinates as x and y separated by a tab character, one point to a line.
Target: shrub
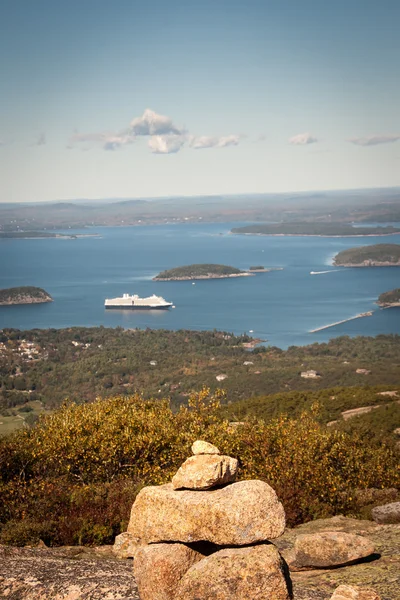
82	466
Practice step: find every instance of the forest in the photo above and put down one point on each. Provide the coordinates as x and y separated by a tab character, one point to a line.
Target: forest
314	228
389	298
40	369
369	255
27	294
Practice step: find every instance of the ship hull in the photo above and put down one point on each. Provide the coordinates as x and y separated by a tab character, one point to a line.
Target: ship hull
122	307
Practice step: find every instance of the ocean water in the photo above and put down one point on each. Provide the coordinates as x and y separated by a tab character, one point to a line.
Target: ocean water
280	307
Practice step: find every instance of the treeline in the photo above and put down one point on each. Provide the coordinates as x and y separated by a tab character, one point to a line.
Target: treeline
198	270
391	297
313	228
82	364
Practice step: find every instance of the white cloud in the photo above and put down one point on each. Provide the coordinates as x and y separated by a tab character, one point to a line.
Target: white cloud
205	141
302	139
166	144
109	141
151	123
374	140
164	136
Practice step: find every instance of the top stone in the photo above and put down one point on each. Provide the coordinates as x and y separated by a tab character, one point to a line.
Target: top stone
200	447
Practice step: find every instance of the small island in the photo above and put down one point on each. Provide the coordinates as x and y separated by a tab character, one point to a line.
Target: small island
200	271
377	255
389	299
24	295
314	229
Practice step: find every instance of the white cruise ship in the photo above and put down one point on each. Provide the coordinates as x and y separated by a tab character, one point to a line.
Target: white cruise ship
137	303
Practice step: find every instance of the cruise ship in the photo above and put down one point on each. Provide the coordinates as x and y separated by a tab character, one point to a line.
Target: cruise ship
137	303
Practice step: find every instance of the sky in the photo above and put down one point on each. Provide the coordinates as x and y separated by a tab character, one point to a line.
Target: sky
125	98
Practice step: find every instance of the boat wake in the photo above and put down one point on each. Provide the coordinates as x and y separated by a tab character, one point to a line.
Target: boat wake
322	272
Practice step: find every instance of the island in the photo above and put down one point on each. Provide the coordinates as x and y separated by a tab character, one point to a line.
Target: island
39	235
24	295
376	255
200	271
314	229
389	299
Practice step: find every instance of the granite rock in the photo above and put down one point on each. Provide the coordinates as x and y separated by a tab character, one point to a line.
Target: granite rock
328	549
354	592
158	568
236	515
201	447
204	471
251	573
387	513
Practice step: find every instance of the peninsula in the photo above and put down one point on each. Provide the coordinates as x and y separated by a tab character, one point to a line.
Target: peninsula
388	299
377	255
200	271
38	235
314	229
24	295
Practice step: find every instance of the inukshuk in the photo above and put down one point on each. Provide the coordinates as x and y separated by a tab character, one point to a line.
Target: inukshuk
204	537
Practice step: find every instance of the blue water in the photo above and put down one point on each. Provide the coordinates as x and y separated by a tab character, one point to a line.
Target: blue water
280	307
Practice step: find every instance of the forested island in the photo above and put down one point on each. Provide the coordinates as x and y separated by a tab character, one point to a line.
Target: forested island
200	271
377	255
24	295
388	299
314	229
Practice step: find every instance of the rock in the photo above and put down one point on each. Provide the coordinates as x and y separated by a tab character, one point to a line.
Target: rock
328	549
125	545
158	568
238	514
387	513
200	447
205	471
51	574
354	592
250	573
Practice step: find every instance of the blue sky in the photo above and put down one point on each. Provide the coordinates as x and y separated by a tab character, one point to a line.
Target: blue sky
187	97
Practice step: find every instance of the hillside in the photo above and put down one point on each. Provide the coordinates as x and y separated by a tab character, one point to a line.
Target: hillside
391	298
314	229
40	368
24	295
199	271
377	255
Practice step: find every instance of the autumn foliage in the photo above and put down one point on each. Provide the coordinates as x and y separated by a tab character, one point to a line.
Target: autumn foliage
72	478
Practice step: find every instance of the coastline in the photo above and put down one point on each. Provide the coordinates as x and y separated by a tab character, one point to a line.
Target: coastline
198	277
389	305
359	316
321	235
27	301
363	265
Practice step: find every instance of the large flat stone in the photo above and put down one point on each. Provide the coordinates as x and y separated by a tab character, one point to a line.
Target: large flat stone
205	471
158	568
238	514
328	549
251	573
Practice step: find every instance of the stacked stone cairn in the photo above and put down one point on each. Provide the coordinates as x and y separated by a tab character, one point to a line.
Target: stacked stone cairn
204	537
